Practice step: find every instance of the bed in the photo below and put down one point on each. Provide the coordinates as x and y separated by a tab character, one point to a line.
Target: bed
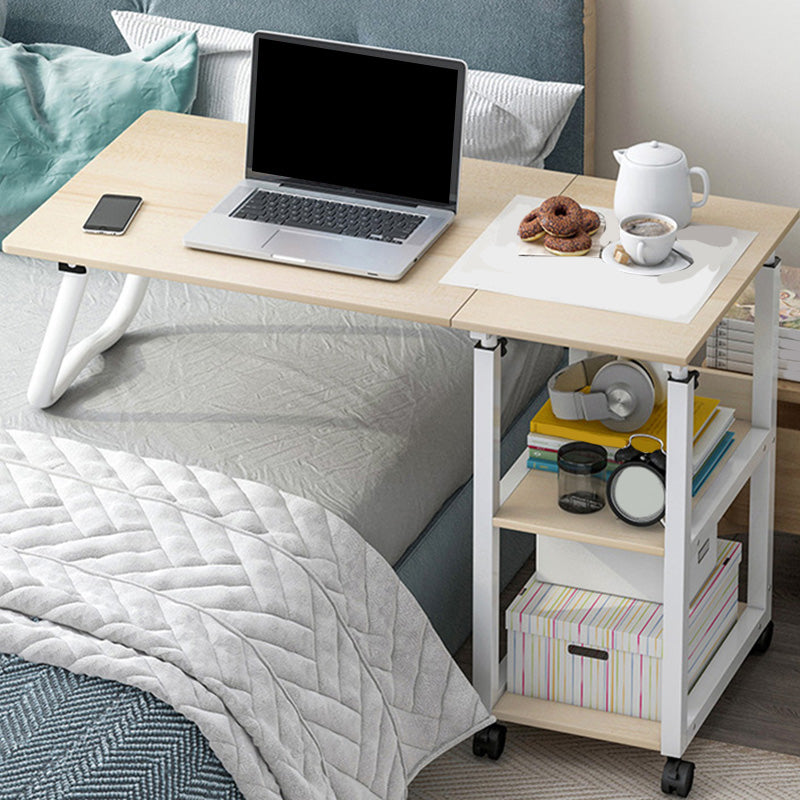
381	398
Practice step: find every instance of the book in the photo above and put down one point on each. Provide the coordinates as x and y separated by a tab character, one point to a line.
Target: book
790	352
545	422
743	330
710	464
737	352
551	444
699	478
545	448
738	365
718	425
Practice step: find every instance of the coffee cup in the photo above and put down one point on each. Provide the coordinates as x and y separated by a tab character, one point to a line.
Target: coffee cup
648	238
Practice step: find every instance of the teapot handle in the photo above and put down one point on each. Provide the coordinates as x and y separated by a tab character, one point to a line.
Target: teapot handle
704	175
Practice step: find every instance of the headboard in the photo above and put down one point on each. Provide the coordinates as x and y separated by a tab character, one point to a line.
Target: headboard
542	39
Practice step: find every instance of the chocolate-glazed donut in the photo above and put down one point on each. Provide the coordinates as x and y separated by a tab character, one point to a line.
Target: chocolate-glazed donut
590	221
530	229
577	245
560	216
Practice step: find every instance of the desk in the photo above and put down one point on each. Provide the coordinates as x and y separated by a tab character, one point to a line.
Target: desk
182	165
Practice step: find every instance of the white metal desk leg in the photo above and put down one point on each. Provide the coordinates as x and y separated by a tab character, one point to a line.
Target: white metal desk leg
762	481
486	538
55	369
674	682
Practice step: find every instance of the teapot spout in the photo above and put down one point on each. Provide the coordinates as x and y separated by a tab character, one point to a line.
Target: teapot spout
618	154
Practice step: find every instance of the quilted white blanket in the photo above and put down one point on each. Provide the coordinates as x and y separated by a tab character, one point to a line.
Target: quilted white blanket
260	616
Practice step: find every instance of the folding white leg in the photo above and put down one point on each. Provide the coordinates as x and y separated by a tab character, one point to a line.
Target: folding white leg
55	369
486	544
678	527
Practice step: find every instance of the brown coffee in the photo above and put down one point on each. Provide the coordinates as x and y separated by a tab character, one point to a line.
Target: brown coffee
647	226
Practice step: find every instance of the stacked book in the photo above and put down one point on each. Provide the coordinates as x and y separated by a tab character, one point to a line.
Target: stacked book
730	346
712	437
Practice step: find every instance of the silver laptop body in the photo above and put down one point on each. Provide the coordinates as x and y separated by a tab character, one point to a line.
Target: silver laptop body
353	158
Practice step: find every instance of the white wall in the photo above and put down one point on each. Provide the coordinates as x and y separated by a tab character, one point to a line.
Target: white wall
718	78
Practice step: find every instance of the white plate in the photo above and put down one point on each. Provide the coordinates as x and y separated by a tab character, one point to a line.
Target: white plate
677	260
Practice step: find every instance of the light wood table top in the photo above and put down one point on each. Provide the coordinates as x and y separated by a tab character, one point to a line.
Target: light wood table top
184	165
626	334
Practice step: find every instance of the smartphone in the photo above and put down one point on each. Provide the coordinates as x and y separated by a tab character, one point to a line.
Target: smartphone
112	214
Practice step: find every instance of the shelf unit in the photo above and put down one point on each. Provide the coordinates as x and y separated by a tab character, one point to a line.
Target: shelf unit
525	500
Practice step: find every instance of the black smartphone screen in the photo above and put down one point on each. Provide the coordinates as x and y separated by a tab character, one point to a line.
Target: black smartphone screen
113	213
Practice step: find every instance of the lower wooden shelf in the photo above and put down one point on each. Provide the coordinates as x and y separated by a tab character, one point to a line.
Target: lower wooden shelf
579	721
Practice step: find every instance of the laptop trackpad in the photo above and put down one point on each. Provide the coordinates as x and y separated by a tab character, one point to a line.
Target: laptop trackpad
299	247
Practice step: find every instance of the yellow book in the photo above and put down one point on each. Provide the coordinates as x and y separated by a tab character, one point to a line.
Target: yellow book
547	424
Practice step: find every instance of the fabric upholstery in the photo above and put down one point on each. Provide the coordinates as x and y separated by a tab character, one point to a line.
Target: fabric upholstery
61	105
540	39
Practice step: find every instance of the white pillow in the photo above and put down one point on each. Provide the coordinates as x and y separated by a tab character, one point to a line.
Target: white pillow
515	120
223	80
506	118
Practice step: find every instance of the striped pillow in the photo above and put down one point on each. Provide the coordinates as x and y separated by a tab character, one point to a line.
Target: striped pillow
507	118
515	120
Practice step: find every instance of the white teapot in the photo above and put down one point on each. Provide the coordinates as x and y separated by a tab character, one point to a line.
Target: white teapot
654	177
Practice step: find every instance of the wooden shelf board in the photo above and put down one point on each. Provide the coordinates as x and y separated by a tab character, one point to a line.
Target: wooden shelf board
579	721
533	508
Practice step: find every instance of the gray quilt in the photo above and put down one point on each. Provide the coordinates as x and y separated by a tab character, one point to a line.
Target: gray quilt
259	615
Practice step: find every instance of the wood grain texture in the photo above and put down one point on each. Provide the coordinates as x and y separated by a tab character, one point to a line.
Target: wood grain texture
183	165
580	721
626	334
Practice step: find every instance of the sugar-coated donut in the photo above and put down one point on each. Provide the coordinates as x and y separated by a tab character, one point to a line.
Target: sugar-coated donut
590	221
577	245
530	229
560	216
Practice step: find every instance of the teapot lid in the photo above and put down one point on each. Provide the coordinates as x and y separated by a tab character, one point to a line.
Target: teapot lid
654	154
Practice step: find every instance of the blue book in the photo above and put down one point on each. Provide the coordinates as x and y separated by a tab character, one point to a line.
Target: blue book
713	459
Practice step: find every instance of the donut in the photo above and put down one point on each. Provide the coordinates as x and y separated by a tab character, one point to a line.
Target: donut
560	216
590	221
530	229
577	245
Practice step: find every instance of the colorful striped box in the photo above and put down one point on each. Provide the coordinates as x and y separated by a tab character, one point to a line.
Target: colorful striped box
603	651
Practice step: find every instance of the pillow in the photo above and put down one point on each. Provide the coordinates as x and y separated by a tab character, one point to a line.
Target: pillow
223	82
515	120
61	105
506	118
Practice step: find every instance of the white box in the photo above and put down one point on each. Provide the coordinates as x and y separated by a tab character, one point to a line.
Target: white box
603	651
620	572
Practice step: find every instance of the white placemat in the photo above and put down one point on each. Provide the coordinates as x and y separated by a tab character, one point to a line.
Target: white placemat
498	262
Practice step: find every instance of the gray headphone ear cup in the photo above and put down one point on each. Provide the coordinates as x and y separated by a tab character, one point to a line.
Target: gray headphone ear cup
637	382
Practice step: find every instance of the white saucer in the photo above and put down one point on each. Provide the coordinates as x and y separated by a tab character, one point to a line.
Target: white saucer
677	260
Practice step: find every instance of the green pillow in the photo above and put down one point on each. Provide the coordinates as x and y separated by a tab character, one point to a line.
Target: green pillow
61	105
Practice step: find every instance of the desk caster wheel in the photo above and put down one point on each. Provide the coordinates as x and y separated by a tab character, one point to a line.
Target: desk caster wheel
678	776
490	741
764	640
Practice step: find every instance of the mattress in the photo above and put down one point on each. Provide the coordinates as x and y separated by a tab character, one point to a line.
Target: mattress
368	416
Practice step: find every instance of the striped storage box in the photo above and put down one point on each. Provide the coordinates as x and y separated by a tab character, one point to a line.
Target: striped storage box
603	651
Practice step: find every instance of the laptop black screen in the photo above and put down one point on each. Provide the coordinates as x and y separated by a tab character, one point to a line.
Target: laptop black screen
370	121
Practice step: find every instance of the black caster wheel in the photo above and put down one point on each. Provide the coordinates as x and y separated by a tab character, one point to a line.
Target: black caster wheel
490	741
678	776
764	640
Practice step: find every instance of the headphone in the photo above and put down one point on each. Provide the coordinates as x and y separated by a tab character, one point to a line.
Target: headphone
622	392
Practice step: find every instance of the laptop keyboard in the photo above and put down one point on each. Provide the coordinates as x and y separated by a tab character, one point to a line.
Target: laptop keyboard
328	216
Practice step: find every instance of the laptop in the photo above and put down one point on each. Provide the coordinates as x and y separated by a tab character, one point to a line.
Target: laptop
353	158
